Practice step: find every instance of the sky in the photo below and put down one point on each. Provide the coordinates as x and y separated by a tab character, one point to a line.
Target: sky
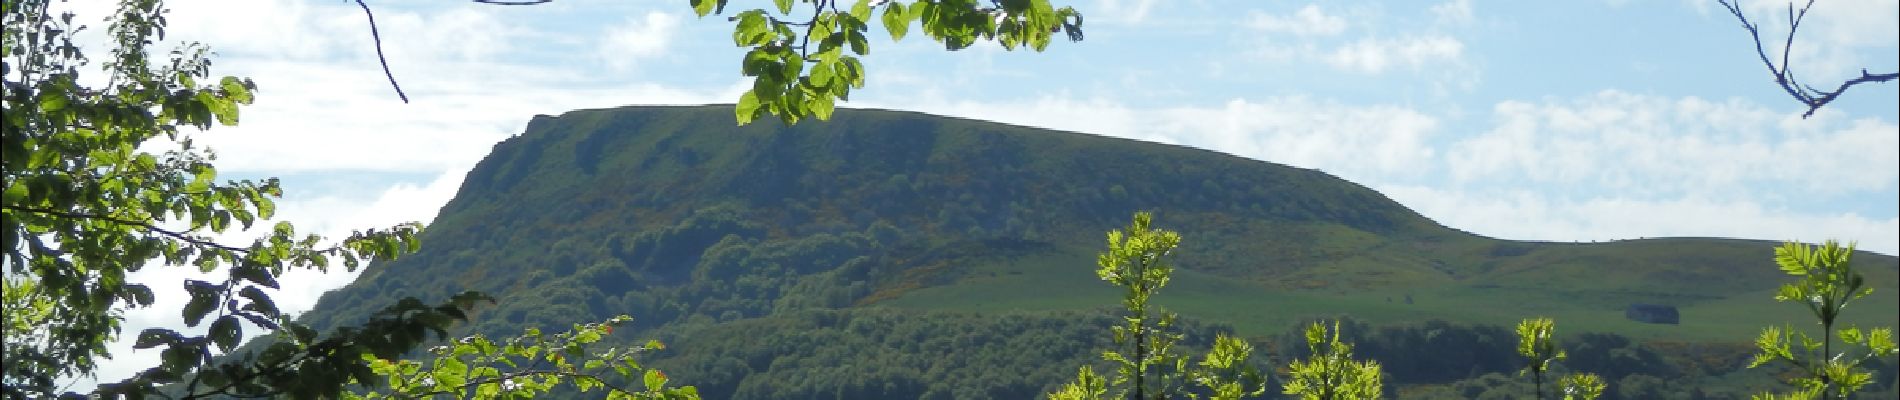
1558	121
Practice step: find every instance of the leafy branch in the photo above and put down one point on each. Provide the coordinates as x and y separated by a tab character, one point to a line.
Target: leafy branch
295	364
1825	282
1537	342
1147	366
792	80
1331	373
1808	95
477	367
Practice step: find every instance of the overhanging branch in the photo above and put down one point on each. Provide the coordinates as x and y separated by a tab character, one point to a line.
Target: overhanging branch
148	226
1784	76
378	38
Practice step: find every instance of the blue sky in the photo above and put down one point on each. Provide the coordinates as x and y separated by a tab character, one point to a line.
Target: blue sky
1566	121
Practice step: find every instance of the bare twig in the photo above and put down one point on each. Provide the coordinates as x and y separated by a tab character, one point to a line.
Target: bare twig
1784	76
379	49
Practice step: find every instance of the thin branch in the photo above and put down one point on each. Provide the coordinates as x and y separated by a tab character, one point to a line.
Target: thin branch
188	238
1865	77
378	38
1784	74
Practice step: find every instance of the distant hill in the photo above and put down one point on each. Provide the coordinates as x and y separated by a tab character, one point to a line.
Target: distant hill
699	228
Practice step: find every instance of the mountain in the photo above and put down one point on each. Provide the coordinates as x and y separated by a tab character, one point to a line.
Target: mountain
946	231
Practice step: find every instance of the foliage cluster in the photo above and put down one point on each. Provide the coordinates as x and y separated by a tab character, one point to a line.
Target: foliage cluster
524	366
103	179
798	74
1537	343
1146	362
1825	282
87	202
1331	373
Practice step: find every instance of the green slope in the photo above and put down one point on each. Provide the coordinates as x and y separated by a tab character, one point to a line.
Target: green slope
687	222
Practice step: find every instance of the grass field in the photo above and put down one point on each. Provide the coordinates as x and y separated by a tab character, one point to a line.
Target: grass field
1064	279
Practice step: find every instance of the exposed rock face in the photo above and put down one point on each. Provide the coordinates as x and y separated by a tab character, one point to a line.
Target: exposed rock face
1653	313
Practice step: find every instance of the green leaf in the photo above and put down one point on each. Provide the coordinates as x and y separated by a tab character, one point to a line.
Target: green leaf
752	29
451	372
748	108
199	306
141	294
859	45
265	207
220	220
236	89
823	74
759	62
226	332
15	194
152	337
52	102
654	379
259	302
703	7
784	6
821	106
896	20
854	70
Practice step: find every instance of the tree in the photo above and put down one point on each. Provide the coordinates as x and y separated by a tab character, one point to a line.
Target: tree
1810	96
86	202
1537	342
523	367
27	310
1146	364
1825	282
83	205
1331	373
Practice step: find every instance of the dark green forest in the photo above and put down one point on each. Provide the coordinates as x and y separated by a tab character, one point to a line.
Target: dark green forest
897	255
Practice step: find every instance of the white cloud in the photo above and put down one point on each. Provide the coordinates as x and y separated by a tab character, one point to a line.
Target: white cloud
337	116
1357	142
1608	166
276	29
1314	30
1657	146
1308	21
1122	11
1375	55
635	40
1527	215
304	31
1455	12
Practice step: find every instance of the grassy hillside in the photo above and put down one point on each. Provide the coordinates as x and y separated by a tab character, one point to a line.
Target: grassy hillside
675	216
